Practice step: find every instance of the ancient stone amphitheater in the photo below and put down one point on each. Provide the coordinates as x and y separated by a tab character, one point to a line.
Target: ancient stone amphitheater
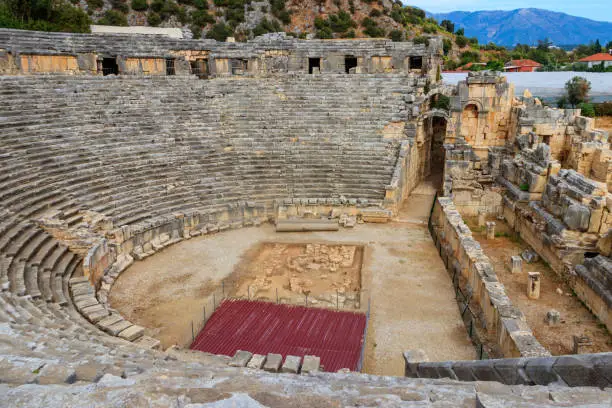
116	147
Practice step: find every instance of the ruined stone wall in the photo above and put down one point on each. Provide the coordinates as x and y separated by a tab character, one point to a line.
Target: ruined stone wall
462	255
266	55
482	111
571	370
593	285
468	181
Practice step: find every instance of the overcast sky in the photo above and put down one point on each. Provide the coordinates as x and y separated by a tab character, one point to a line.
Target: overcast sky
600	10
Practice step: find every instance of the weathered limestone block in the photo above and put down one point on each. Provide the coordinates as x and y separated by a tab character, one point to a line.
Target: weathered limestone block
516	264
533	285
241	358
490	230
577	217
292	364
273	362
257	361
311	364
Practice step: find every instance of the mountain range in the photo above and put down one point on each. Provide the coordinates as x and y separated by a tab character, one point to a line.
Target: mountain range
527	26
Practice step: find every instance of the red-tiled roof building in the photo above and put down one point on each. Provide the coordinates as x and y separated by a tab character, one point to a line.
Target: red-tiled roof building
522	65
597	59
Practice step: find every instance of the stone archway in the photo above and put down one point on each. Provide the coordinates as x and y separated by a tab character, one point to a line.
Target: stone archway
469	122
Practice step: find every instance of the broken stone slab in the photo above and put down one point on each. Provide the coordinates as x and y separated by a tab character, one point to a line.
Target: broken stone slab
530	256
273	362
553	317
257	361
241	358
311	364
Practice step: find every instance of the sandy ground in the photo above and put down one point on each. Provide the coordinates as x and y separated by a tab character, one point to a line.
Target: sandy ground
575	317
604	123
411	296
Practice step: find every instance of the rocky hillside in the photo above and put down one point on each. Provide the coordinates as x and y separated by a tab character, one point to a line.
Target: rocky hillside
527	26
219	19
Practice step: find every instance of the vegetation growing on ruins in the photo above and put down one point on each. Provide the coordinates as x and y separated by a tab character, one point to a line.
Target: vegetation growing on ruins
43	15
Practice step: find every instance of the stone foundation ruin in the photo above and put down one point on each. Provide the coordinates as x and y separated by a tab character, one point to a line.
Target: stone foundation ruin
115	147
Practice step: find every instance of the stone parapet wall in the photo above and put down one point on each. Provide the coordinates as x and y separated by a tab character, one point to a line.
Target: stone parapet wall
584	370
406	176
463	256
264	55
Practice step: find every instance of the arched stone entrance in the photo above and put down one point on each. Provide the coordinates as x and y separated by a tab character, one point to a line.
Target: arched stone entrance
469	122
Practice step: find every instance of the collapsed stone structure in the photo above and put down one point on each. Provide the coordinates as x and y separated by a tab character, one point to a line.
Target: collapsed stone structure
98	170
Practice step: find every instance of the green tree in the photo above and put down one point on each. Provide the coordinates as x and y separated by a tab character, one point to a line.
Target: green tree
448	26
597	47
577	90
460	31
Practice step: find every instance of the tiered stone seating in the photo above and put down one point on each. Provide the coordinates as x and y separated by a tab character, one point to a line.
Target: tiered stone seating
136	148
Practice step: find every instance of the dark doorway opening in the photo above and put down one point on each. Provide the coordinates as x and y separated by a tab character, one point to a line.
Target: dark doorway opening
588	255
436	131
239	66
170	66
349	62
416	62
109	66
199	67
314	63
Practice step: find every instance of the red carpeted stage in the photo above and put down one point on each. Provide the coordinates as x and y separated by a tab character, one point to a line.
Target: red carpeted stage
262	328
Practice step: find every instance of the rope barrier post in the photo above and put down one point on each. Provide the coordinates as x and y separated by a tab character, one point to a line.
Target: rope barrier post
337	300
307	299
249	292
223	289
192	333
204	316
277	296
471	324
214	302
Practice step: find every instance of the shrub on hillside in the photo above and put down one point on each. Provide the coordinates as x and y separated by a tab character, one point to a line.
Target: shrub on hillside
95	4
396	35
200	18
603	109
461	41
587	109
153	19
114	17
220	32
139	5
371	28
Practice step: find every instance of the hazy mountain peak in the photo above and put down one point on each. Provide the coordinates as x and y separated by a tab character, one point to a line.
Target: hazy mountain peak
527	26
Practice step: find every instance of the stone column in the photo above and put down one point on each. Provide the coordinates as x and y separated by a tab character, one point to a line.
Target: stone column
482	217
517	264
490	230
533	285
